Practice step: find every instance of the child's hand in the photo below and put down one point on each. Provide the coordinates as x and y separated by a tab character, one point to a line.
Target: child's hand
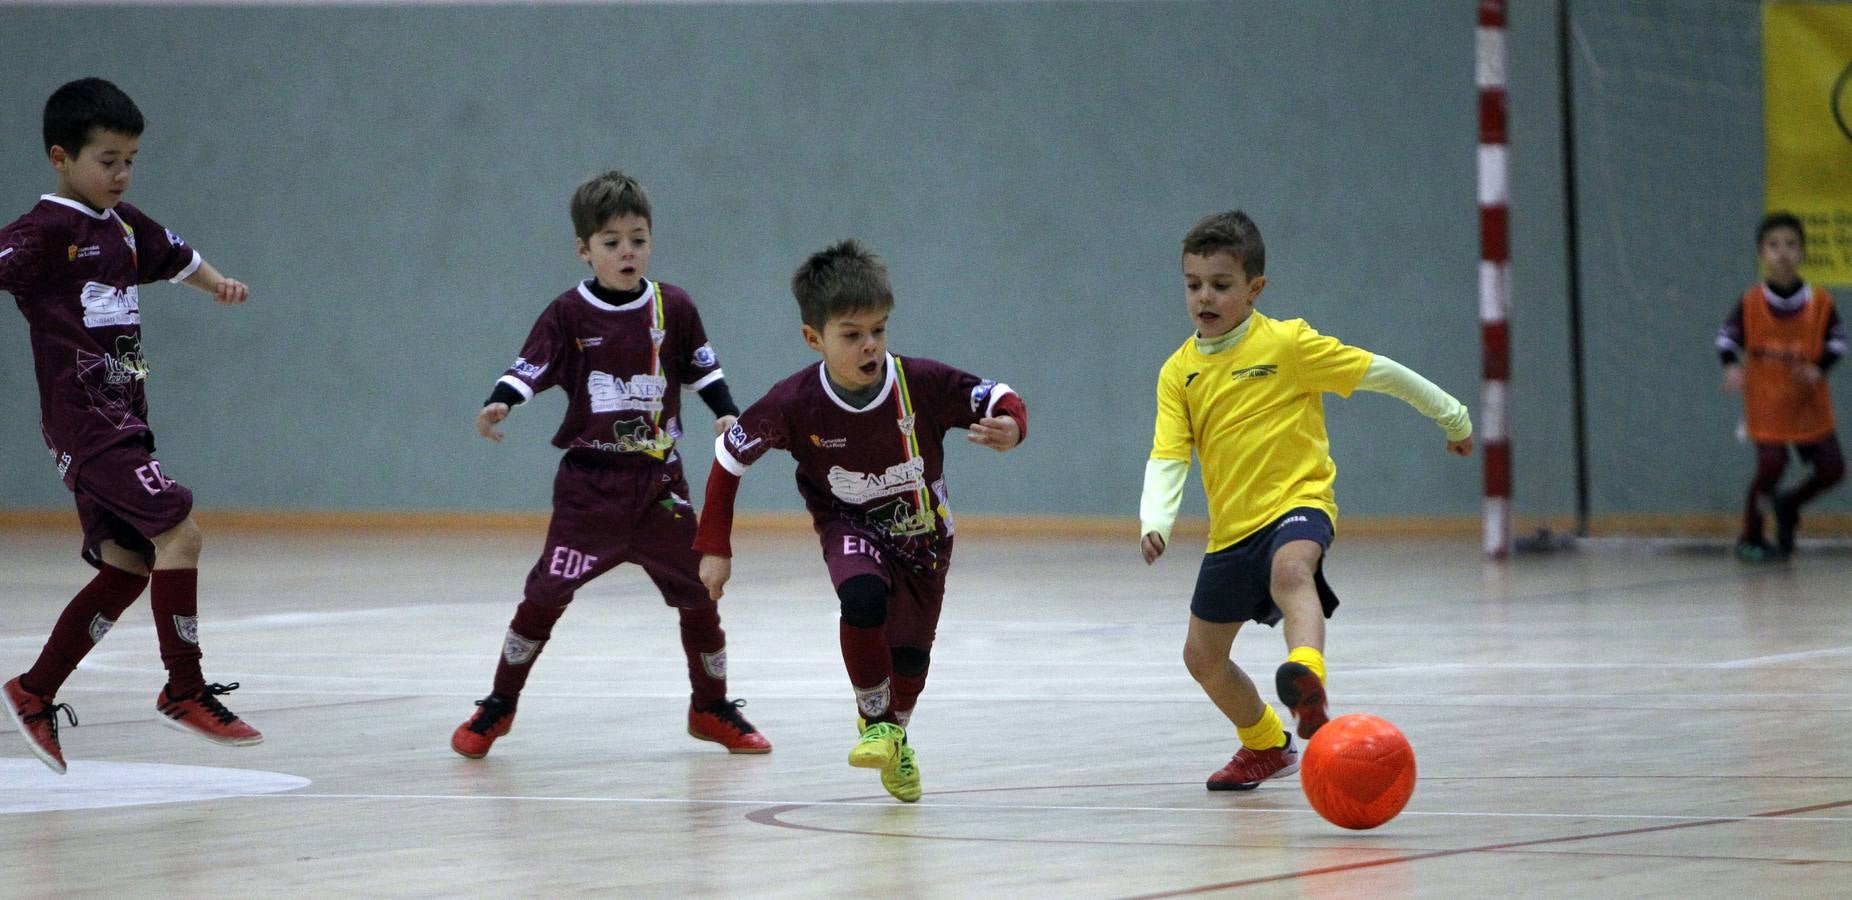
723	423
1733	378
491	416
230	292
1460	448
715	571
999	433
1152	546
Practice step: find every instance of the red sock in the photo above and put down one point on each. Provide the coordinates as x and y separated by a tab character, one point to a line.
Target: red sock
871	670
705	645
82	624
907	690
527	636
175	599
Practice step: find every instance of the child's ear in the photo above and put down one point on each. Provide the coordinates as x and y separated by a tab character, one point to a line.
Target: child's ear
59	158
583	249
813	339
1257	285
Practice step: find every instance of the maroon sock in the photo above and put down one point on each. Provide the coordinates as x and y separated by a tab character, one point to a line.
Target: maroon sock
82	624
175	600
907	690
705	645
871	670
527	636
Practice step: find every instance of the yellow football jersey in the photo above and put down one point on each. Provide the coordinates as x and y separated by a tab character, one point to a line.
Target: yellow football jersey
1254	414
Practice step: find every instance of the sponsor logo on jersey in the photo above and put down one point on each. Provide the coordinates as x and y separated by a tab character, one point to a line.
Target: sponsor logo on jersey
106	306
736	439
638	393
828	443
861	487
587	343
527	369
1189	378
74	253
1260	371
631	436
704	356
174	239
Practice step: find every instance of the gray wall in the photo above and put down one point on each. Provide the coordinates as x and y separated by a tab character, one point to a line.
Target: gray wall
392	182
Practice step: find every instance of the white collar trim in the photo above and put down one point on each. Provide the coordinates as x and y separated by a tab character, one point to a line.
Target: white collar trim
649	295
82	208
823	375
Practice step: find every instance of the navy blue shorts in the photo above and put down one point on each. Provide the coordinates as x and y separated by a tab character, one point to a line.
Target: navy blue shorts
1236	583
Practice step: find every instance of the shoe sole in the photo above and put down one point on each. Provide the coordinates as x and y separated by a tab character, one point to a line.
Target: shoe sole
1250	785
1300	689
751	751
19	722
459	751
223	742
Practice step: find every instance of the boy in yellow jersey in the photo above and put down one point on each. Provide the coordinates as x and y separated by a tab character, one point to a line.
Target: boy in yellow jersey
1244	392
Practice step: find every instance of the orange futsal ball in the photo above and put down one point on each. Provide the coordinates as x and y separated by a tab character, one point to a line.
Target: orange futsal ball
1358	771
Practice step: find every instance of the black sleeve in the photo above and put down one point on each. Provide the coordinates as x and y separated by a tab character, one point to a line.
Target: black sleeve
505	393
1730	336
718	399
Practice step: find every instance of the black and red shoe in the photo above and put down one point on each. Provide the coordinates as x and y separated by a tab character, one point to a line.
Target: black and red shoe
203	716
36	717
1250	767
1301	690
723	724
494	717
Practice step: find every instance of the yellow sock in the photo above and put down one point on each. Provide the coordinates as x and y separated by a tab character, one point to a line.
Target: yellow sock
1265	734
1311	659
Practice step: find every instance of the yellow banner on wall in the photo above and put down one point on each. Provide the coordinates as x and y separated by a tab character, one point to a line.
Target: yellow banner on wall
1807	88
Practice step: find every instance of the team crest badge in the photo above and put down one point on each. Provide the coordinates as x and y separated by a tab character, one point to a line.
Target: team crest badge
716	664
518	650
100	626
656	335
906	425
188	628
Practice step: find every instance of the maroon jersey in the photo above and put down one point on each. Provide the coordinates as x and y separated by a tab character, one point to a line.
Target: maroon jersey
622	367
75	273
880	468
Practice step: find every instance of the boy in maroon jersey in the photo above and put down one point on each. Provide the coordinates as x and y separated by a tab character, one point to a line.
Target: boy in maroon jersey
622	348
75	263
867	430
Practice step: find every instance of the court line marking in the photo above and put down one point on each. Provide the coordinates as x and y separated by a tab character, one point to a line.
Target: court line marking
1488	848
1777	658
883	803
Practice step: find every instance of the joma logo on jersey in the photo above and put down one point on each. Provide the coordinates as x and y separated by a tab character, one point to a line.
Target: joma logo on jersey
1260	371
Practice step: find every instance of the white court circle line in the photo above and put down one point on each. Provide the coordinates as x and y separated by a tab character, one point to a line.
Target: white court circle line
27	786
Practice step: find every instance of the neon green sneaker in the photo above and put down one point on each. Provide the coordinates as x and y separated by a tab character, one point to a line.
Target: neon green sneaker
879	747
902	779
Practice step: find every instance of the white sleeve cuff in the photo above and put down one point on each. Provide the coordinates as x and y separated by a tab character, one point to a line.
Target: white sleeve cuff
710	378
527	393
726	459
191	267
996	393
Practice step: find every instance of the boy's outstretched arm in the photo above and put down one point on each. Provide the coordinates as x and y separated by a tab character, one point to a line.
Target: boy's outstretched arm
1003	431
224	290
713	534
1157	507
1386	376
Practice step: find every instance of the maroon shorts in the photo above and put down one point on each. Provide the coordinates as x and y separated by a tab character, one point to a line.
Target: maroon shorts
610	513
123	496
914	596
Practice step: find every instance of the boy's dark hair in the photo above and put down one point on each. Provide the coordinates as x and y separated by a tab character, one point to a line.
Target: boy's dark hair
81	106
1229	232
604	197
1776	220
838	280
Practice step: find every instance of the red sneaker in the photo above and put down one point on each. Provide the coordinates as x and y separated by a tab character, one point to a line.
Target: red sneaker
723	724
36	717
203	716
1300	689
1250	767
494	717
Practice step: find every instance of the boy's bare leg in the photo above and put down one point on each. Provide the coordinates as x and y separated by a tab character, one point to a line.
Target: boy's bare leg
1206	653
1300	681
115	557
177	547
